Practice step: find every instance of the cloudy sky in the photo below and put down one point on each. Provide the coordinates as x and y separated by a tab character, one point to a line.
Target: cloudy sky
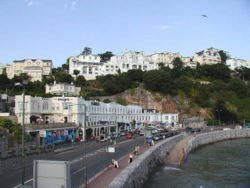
57	29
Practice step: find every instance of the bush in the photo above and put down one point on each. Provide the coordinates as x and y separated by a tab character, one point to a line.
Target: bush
122	101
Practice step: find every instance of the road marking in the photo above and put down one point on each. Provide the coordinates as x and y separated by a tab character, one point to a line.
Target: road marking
24	183
79	170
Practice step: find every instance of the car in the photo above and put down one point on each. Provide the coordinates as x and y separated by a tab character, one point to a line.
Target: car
196	130
157	137
189	130
123	133
169	134
130	135
141	133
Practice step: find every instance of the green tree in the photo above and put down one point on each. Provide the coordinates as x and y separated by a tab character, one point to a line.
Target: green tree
65	67
243	73
223	56
159	81
80	81
5	82
63	77
76	72
86	51
238	86
48	79
178	67
106	56
135	75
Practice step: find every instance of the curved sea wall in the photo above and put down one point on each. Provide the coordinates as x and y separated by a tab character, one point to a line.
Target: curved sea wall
212	137
135	174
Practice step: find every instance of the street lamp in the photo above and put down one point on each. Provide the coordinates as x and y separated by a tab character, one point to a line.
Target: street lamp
84	145
24	82
219	110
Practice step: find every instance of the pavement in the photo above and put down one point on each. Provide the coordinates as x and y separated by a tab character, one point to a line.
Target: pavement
104	178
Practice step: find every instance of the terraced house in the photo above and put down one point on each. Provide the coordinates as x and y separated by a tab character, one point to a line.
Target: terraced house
208	56
91	66
35	68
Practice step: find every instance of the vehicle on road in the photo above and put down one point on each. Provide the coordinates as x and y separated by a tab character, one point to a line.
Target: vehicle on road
123	133
189	130
196	130
130	135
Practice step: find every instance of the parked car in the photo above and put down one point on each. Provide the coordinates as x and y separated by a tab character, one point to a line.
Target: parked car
196	130
141	133
123	133
169	134
189	130
130	135
157	137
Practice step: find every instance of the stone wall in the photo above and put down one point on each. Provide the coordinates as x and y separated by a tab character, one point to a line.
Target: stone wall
211	137
135	174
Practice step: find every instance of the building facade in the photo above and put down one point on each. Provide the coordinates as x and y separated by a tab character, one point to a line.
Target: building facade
130	60
72	110
167	58
208	56
88	66
35	68
63	89
91	66
234	63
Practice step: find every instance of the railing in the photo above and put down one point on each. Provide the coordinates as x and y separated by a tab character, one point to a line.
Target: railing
49	126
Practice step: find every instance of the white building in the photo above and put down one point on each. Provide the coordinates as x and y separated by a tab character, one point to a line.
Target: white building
64	89
167	58
208	56
130	60
35	68
91	66
235	63
71	109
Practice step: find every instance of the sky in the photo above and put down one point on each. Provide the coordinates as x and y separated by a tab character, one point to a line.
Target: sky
58	29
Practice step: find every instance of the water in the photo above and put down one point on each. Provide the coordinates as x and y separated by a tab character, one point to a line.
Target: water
223	164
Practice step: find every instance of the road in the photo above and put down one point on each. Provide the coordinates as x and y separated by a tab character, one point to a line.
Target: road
97	160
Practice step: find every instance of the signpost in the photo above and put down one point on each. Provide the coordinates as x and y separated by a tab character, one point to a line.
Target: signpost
47	173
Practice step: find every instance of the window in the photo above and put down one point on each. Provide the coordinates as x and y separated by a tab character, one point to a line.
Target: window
45	106
84	70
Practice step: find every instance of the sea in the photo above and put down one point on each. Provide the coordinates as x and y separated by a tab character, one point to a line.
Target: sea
222	164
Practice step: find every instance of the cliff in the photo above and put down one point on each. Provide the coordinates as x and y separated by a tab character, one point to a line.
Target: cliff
146	99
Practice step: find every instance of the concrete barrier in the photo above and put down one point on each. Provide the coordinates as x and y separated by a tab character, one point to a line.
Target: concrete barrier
212	137
136	173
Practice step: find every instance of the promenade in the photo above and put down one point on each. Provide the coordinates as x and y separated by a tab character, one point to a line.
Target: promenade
104	178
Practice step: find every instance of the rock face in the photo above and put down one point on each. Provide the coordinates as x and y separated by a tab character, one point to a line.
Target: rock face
147	100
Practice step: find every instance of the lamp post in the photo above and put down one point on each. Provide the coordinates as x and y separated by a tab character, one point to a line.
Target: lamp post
219	110
24	82
84	145
84	148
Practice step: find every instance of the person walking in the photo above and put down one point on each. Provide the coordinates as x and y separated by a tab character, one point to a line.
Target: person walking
130	158
116	164
153	143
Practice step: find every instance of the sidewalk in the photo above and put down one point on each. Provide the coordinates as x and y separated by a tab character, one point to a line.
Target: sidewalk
106	176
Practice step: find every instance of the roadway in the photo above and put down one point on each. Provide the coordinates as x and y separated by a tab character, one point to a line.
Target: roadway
97	160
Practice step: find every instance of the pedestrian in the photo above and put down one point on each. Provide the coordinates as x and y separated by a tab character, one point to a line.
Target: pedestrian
153	143
150	141
130	158
116	164
113	162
